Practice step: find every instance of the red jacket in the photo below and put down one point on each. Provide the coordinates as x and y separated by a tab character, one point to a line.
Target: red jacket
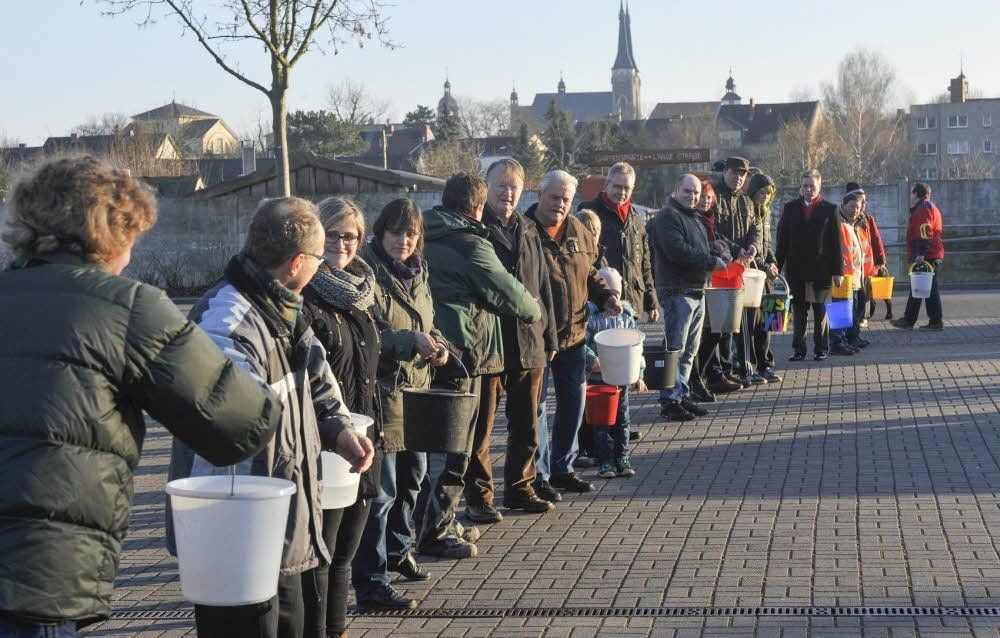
924	232
878	248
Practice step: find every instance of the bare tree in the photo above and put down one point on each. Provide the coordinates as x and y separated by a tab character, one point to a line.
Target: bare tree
860	107
106	124
483	119
444	159
286	29
800	147
351	103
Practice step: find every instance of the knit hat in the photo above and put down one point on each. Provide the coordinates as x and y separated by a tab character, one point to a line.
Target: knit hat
612	278
757	182
853	187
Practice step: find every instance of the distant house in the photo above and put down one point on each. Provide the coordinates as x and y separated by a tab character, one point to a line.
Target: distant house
151	146
197	133
393	146
175	186
314	175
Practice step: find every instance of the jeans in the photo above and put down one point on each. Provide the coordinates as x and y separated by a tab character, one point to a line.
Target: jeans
342	531
388	535
296	611
683	317
445	478
821	328
860	305
934	312
569	375
840	337
611	442
10	629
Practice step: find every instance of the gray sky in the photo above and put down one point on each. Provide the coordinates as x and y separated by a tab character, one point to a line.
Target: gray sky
73	64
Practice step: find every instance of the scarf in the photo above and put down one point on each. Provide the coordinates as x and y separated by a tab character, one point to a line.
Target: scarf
345	290
707	220
280	307
807	207
622	210
402	271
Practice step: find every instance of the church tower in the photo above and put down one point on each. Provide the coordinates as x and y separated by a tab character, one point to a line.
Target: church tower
625	73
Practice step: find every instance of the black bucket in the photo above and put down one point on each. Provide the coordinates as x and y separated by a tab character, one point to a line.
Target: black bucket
661	367
437	420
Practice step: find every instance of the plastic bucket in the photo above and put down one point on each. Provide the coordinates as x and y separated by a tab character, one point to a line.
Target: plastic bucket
602	405
753	287
620	352
725	309
843	291
661	367
339	487
776	306
437	420
729	277
882	287
229	545
840	314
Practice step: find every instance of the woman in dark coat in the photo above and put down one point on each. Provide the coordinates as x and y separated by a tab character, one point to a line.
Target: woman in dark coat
339	303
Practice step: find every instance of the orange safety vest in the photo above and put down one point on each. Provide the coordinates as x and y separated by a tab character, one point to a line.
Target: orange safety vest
865	237
846	244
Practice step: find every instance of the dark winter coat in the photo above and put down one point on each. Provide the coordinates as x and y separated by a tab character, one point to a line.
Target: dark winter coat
809	251
82	354
471	289
626	248
573	277
736	220
524	344
682	256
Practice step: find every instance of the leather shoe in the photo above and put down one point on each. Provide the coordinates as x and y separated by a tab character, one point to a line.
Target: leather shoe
546	492
450	547
842	350
902	323
528	502
798	356
635	435
933	326
820	356
673	411
408	568
702	395
724	386
693	407
483	513
571	483
385	597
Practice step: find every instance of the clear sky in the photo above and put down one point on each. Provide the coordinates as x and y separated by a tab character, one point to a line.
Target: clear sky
65	62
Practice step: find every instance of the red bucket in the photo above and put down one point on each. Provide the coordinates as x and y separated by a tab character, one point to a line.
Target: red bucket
731	277
602	405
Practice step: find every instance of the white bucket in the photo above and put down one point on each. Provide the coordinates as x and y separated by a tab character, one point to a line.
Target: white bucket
753	287
620	352
920	284
229	546
339	487
725	309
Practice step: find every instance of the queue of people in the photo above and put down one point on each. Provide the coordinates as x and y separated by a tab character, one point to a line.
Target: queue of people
316	318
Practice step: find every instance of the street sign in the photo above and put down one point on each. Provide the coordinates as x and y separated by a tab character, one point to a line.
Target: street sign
661	156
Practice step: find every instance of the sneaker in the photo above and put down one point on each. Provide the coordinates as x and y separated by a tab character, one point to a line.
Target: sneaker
585	460
902	323
673	411
624	467
724	386
607	471
798	356
693	407
753	379
634	435
471	534
863	323
732	376
571	483
483	513
450	547
702	395
545	491
933	326
859	344
385	597
527	502
819	356
771	376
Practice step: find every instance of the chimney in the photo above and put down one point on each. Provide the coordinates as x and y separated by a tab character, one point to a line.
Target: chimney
22	145
248	156
959	89
385	150
75	137
752	103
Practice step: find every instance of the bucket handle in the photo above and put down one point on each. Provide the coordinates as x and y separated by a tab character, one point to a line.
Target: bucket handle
784	284
926	264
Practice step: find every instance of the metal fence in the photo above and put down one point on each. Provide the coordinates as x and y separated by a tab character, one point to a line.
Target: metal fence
972	254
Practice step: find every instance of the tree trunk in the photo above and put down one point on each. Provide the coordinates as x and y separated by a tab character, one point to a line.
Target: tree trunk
279	124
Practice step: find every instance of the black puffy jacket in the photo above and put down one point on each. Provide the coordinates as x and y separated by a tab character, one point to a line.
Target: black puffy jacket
82	354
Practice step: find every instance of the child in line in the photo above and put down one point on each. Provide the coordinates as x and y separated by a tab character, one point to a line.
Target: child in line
611	442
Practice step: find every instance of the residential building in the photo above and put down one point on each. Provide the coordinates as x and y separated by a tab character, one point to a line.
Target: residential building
197	133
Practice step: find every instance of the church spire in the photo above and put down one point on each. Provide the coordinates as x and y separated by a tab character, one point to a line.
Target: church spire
625	59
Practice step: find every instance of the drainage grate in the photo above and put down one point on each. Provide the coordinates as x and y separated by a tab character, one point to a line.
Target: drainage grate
617	612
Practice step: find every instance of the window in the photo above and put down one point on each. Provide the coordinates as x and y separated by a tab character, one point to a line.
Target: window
958	148
925	122
958	121
987	146
927	149
218	146
930	173
987	120
954	173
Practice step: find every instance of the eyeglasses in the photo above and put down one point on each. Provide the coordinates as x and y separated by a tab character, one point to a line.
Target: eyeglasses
349	239
319	258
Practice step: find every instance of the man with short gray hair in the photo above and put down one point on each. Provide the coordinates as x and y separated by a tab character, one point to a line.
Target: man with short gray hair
623	238
571	255
683	259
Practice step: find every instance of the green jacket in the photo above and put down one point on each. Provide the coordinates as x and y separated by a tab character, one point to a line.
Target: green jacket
471	288
399	314
82	354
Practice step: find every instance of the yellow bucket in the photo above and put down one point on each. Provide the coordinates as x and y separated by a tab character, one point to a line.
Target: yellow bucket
882	287
843	291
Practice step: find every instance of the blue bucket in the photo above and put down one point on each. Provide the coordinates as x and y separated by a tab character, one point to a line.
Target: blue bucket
840	314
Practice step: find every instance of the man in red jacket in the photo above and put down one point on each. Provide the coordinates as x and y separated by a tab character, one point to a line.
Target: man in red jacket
924	245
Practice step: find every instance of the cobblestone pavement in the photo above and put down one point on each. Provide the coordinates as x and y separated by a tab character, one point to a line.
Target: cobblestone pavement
867	480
